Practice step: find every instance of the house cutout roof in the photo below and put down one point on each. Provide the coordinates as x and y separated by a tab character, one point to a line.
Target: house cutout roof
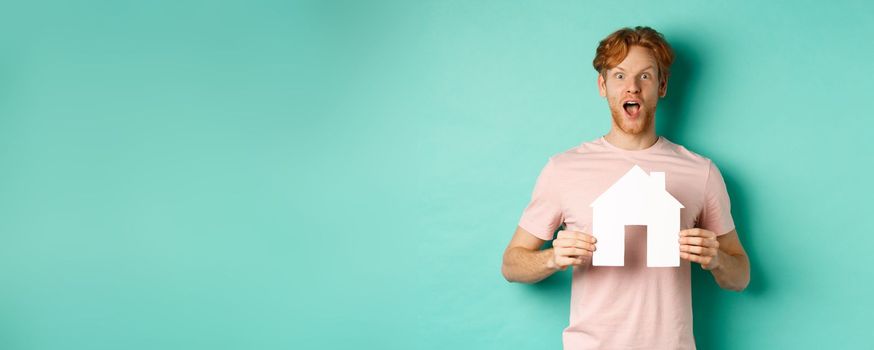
637	187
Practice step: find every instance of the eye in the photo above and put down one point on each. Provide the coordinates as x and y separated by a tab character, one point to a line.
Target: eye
645	76
619	75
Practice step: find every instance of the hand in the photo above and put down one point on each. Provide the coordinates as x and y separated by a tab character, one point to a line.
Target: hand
700	246
571	248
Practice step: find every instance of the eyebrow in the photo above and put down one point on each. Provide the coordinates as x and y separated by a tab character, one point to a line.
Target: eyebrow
620	68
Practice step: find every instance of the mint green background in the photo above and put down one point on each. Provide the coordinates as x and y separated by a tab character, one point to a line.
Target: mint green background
333	175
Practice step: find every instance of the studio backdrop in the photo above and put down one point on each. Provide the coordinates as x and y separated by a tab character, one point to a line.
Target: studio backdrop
347	174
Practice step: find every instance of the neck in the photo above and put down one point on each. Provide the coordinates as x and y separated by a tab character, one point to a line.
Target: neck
623	140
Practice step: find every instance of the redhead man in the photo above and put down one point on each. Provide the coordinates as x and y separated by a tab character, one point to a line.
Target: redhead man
631	306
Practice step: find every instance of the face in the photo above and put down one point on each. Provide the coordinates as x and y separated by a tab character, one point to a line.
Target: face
633	89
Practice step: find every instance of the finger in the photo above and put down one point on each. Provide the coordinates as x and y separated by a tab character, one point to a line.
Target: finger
702	251
703	260
690	240
697	232
565	234
699	241
572	243
581	260
585	237
564	261
579	252
565	252
561	242
690	257
573	252
692	249
583	245
692	232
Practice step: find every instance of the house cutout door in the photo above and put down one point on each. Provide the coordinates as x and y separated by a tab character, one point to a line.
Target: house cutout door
635	246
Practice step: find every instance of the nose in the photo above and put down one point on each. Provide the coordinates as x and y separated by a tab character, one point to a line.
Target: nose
633	86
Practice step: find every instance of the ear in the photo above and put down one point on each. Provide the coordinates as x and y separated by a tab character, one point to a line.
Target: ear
663	88
602	85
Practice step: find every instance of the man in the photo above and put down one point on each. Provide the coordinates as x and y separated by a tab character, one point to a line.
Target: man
631	306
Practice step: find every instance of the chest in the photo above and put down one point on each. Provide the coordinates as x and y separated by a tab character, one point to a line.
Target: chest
581	187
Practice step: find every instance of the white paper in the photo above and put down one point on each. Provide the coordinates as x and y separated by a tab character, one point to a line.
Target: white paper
637	199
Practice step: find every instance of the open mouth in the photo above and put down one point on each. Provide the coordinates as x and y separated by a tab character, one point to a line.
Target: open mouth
631	108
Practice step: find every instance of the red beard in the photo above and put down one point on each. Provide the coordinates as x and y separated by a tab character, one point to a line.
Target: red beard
644	122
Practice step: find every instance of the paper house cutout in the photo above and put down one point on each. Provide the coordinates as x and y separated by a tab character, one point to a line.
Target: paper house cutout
637	199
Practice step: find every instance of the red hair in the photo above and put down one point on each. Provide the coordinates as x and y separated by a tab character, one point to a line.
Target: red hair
613	49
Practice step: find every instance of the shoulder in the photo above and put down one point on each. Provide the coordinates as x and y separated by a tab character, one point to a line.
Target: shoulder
576	154
688	156
702	167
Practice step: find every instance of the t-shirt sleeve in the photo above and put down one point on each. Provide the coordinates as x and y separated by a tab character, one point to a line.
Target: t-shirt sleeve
543	215
716	213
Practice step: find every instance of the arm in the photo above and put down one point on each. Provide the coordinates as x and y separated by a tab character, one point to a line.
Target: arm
732	270
723	256
525	262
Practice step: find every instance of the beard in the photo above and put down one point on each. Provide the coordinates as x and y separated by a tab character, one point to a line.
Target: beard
643	123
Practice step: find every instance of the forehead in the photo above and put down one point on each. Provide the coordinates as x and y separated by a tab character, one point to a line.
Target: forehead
638	59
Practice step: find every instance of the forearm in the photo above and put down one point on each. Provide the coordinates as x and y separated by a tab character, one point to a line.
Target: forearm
527	266
733	272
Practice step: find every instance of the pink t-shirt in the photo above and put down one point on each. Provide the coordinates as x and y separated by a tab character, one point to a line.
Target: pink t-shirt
631	306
